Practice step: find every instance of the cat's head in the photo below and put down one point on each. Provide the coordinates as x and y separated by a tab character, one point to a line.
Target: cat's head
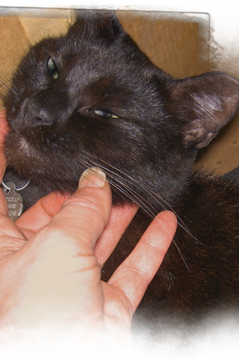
92	98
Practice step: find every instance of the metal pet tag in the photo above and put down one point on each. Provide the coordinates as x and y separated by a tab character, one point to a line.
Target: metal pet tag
14	201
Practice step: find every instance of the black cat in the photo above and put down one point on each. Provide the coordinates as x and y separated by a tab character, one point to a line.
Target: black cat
92	98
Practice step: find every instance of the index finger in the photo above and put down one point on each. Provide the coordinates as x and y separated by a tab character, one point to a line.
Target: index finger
134	275
41	213
119	220
84	215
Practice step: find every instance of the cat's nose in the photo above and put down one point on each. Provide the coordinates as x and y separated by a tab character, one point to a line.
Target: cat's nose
36	115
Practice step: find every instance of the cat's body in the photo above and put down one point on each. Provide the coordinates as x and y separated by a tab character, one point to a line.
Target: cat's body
197	280
93	99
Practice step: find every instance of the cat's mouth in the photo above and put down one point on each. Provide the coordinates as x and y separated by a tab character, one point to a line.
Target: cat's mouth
32	161
17	147
23	145
21	154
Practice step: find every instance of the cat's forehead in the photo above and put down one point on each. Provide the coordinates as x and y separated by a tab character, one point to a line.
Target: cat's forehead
99	42
93	64
85	59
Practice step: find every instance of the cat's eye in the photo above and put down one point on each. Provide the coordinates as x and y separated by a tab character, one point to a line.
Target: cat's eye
105	114
52	68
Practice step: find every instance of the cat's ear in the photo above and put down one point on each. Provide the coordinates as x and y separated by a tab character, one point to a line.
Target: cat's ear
97	24
205	104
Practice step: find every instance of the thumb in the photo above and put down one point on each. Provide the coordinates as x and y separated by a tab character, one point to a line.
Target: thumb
58	263
85	214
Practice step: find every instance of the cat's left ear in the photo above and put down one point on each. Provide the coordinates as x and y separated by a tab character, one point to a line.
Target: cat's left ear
97	24
205	104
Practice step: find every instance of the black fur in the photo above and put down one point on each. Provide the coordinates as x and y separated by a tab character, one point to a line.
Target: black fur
147	150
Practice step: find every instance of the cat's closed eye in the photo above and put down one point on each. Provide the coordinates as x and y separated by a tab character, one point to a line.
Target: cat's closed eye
105	114
52	68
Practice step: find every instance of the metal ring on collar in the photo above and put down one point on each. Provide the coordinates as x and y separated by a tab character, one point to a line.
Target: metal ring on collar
17	189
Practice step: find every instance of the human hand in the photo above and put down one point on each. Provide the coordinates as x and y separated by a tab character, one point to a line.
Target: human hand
41	213
50	274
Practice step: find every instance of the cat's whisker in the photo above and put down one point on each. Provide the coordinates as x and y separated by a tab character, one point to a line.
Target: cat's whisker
7	86
181	255
46	50
151	213
124	188
133	196
83	34
150	193
121	190
6	79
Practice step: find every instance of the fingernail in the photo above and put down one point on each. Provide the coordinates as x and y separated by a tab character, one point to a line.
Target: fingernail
92	177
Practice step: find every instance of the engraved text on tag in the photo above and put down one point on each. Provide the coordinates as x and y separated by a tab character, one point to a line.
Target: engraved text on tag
14	201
